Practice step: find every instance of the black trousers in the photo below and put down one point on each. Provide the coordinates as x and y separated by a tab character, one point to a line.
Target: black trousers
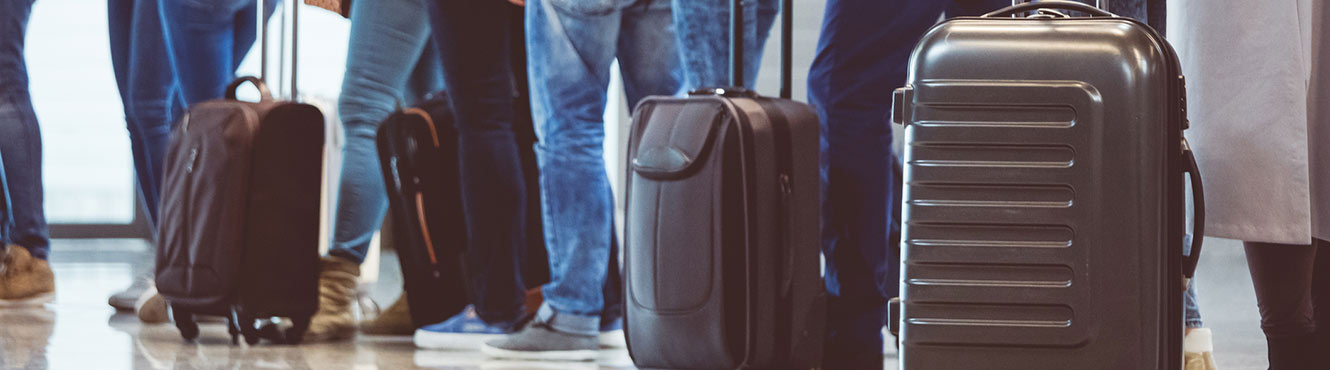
1293	293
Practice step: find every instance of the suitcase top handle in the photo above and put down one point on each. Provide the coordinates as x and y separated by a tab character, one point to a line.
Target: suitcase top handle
1048	4
264	95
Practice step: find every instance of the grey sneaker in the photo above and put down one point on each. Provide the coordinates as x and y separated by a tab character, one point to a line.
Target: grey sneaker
126	299
539	341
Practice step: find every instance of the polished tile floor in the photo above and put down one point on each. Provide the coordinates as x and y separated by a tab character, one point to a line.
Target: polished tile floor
79	331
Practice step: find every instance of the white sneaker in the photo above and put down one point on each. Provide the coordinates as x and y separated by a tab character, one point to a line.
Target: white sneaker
1198	350
127	300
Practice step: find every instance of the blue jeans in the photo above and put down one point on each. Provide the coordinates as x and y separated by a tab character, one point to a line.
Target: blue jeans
861	57
207	40
702	28
20	137
570	46
476	40
148	89
1192	316
390	60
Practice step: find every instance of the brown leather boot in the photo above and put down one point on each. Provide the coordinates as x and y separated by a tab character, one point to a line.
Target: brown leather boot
337	292
24	280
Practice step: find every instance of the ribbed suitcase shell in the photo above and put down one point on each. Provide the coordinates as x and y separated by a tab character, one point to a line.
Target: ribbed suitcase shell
1043	207
721	251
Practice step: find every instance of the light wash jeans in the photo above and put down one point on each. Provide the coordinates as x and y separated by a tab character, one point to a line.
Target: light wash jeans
390	61
702	28
570	46
207	40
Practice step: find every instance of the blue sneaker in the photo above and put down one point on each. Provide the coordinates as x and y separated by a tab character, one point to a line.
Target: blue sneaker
464	331
611	335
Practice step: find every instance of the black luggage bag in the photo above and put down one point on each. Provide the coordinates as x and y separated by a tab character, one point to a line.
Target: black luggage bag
1044	199
721	255
239	231
418	152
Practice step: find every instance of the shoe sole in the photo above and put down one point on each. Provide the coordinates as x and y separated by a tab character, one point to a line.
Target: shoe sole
613	339
36	300
449	341
571	355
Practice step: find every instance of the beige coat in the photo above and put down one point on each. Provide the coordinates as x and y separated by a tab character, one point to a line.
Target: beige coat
1258	79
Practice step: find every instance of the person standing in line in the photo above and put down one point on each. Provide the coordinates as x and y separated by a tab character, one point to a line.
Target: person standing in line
571	45
25	275
152	102
390	61
1258	85
475	40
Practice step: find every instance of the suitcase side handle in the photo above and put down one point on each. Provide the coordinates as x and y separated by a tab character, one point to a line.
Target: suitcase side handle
264	95
1048	4
1198	208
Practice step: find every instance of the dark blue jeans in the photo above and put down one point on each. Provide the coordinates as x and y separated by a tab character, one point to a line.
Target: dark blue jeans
148	89
476	39
207	40
861	57
20	137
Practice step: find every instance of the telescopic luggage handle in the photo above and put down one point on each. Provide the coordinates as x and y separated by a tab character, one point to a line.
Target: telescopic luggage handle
262	23
786	41
1049	4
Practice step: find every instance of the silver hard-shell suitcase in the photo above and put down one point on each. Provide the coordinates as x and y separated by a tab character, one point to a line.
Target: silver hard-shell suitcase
1044	201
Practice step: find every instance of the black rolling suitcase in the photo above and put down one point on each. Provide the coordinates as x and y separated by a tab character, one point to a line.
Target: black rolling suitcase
1044	201
239	229
418	152
721	255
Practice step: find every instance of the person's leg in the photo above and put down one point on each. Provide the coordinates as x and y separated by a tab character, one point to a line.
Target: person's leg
1321	298
206	41
245	29
702	30
863	52
650	65
1282	275
570	46
153	100
473	37
26	275
386	40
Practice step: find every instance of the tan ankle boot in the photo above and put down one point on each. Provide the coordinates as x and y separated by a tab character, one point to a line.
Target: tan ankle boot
24	279
337	292
396	320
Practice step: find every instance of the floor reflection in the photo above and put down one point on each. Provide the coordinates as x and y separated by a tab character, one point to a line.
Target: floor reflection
79	331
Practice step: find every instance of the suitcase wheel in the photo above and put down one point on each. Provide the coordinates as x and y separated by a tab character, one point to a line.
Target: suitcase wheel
184	320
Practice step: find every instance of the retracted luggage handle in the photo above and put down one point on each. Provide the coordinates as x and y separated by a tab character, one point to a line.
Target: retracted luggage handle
1049	4
1198	220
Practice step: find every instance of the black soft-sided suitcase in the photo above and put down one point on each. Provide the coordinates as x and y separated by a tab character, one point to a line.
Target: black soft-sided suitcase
418	152
722	267
240	209
1044	199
